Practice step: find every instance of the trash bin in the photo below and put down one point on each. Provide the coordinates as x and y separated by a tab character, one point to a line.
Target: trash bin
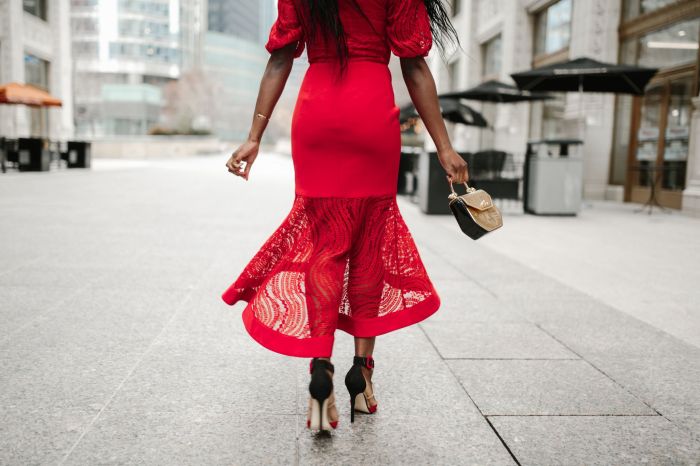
433	187
3	156
33	155
553	177
407	170
78	154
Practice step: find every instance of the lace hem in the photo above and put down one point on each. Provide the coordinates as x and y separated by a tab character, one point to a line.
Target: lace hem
333	263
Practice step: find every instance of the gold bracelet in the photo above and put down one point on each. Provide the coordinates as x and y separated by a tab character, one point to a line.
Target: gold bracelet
261	115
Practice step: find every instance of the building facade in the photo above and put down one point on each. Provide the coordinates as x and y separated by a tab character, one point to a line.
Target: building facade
239	18
234	60
125	52
623	135
35	48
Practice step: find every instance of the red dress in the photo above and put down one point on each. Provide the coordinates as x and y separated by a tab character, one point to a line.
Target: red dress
343	258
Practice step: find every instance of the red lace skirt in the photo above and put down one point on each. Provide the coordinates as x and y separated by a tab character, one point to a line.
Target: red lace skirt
343	258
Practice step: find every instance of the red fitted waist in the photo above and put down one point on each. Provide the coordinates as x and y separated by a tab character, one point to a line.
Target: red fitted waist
331	61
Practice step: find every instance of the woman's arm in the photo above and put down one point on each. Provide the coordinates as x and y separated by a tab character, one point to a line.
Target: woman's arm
272	84
421	87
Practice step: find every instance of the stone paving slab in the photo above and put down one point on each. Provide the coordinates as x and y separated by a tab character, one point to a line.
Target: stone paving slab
670	384
20	305
465	301
114	319
187	436
486	310
596	440
32	435
168	380
545	309
405	439
37	380
494	340
600	336
511	387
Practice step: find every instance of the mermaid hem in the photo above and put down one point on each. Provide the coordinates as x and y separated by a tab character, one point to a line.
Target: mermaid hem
333	263
322	346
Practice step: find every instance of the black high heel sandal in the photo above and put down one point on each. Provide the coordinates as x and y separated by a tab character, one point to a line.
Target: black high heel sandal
320	389
356	385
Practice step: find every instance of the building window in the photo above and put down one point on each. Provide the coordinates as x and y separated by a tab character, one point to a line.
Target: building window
492	58
674	45
634	8
86	26
453	71
36	71
456	7
36	8
553	28
84	4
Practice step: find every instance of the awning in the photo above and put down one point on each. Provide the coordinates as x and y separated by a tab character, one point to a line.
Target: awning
25	94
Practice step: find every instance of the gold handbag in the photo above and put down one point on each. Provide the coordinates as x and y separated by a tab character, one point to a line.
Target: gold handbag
475	212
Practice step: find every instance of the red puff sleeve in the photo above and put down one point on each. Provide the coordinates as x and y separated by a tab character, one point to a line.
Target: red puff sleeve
286	29
408	28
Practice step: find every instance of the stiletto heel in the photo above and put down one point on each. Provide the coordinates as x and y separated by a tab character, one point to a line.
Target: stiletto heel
356	385
320	389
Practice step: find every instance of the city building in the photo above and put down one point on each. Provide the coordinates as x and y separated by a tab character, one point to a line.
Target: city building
193	23
35	49
239	18
620	132
234	60
125	52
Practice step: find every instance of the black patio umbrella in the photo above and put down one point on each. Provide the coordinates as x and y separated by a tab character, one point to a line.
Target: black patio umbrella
452	110
586	75
498	92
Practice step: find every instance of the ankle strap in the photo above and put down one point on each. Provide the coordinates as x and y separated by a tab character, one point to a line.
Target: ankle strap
366	361
315	362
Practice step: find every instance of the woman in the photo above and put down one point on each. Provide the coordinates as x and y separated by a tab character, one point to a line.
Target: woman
343	258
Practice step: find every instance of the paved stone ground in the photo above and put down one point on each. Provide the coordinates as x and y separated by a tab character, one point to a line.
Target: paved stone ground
116	347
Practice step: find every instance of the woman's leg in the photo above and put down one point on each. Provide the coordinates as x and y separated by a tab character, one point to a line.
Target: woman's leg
365	347
332	410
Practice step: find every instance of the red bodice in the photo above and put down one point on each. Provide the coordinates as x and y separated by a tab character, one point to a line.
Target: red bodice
398	26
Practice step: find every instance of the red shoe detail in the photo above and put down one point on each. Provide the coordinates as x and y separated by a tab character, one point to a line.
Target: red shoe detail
334	424
372	409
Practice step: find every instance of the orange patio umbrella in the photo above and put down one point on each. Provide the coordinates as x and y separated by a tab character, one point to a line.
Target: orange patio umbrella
25	94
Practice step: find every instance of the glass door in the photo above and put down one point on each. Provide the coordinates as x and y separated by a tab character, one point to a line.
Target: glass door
675	152
660	146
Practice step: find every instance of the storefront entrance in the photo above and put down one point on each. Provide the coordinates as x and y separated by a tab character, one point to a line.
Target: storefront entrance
659	140
653	131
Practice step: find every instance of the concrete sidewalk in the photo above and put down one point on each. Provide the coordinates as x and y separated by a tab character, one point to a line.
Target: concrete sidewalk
117	348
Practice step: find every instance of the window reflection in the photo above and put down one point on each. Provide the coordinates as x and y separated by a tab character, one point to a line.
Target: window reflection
635	8
677	133
36	73
492	57
674	45
648	134
35	7
553	28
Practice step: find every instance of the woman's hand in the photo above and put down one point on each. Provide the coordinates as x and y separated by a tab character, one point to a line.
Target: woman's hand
454	165
246	152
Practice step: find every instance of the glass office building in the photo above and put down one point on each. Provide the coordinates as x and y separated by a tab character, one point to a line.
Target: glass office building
124	51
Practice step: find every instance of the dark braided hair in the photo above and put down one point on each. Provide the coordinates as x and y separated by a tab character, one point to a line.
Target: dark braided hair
324	15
